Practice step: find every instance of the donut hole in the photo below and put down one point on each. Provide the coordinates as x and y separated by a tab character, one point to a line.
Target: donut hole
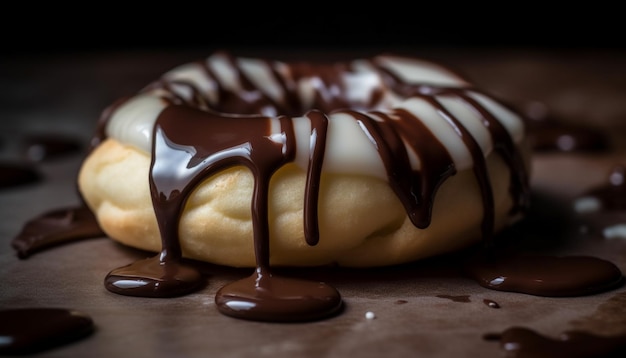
253	87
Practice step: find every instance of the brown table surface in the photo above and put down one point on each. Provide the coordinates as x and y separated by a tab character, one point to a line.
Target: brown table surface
65	93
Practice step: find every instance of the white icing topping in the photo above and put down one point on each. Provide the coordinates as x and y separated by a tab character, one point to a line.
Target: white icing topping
442	129
261	75
133	121
349	150
420	71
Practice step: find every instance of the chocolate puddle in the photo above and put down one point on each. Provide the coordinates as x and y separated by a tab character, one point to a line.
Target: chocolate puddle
33	330
544	275
266	297
154	277
520	342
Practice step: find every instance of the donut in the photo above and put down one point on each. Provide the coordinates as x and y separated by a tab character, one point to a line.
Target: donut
367	162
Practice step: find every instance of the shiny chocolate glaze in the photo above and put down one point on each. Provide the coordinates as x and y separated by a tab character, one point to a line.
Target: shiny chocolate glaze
33	330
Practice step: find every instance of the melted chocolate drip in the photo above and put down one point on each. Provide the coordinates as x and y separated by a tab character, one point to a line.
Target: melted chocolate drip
12	175
54	228
545	275
520	342
33	330
416	190
319	127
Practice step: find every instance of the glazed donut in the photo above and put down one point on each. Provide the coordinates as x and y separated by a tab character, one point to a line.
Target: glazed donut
360	163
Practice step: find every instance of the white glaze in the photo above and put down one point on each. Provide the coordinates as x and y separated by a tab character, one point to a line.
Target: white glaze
349	150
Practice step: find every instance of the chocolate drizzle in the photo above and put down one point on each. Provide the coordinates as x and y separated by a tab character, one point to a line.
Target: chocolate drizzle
416	190
319	127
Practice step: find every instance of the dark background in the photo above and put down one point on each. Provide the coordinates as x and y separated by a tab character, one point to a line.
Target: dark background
174	25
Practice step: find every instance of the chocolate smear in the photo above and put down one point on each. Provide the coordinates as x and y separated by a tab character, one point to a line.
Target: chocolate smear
56	227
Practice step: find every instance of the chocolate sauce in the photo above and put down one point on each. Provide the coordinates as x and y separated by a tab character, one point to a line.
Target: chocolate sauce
154	277
33	330
461	298
39	147
491	303
520	342
543	275
56	227
14	174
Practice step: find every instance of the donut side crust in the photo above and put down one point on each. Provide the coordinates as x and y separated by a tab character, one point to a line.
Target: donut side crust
362	222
